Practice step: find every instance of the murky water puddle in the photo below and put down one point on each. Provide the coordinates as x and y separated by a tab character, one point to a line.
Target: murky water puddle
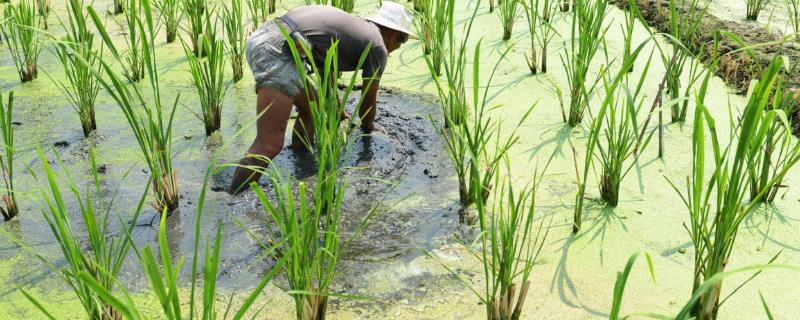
403	172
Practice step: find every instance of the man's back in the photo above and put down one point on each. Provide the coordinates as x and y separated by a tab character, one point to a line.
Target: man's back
324	24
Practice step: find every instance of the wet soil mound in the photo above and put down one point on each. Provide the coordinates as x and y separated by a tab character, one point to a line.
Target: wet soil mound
738	68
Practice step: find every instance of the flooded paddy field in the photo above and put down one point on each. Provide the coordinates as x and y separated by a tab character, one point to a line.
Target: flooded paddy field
412	260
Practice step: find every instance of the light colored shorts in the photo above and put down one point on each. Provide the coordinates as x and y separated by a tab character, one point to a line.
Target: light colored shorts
271	61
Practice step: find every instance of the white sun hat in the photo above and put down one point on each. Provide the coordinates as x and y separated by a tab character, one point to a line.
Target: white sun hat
394	16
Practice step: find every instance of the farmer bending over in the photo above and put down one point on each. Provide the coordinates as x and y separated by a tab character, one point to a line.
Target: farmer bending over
279	85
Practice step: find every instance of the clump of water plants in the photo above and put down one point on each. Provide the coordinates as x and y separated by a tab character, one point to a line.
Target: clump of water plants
622	280
260	11
754	8
194	11
81	86
101	256
43	7
451	86
433	20
779	151
208	76
346	5
685	19
170	14
619	113
118	7
21	33
588	33
508	246
716	206
235	33
133	60
7	159
509	12
467	130
506	251
153	129
539	14
616	121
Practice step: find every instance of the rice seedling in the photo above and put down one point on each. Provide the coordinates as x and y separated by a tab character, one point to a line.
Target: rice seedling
620	134
81	86
465	137
508	257
779	151
451	87
432	22
22	35
754	8
136	44
259	11
509	245
565	5
118	7
194	11
622	280
98	254
208	76
685	19
794	17
716	206
7	160
43	7
685	312
627	31
235	33
153	130
170	14
509	12
539	14
531	9
162	272
588	33
346	5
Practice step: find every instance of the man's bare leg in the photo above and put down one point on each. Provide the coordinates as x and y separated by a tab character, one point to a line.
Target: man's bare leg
270	130
303	130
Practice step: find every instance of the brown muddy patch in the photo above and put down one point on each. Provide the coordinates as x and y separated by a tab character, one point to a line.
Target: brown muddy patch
735	68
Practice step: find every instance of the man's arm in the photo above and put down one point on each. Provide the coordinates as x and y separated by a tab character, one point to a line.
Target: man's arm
368	108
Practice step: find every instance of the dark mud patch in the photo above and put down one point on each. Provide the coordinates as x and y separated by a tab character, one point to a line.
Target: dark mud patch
737	69
403	172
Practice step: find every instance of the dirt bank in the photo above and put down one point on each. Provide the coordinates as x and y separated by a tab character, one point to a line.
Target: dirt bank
737	68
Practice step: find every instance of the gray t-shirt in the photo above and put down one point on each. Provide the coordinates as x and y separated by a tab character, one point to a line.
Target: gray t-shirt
324	24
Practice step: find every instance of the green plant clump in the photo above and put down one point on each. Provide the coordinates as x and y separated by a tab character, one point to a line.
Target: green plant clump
106	253
170	14
235	33
432	21
81	87
716	204
754	8
7	160
208	76
21	32
588	33
509	12
153	129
